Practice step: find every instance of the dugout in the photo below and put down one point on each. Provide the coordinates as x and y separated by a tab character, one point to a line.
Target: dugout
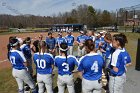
66	27
62	27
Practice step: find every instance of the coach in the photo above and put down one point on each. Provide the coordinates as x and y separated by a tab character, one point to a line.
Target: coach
50	41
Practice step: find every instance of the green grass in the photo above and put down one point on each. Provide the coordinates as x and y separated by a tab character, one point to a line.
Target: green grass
7	82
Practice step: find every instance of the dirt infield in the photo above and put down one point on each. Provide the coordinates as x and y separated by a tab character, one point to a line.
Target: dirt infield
4	63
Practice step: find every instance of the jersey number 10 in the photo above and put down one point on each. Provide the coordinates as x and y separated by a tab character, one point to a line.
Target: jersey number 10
95	66
41	63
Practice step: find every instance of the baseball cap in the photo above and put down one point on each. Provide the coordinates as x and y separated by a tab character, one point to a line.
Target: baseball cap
69	31
82	32
104	31
101	32
60	33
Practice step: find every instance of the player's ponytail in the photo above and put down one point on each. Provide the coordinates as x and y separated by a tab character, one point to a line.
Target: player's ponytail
63	49
42	47
121	38
124	37
89	44
108	36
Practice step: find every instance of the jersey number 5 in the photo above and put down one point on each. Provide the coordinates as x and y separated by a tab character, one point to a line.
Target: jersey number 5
66	67
41	63
95	66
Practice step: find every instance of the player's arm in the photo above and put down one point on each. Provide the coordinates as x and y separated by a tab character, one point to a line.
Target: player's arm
52	61
33	48
114	62
25	64
128	60
80	68
77	41
52	67
129	64
102	50
115	69
23	59
80	75
56	44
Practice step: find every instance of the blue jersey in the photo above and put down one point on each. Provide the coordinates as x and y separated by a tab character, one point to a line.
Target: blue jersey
17	59
97	41
81	38
91	65
70	40
60	40
65	66
50	43
127	56
119	60
43	63
91	37
109	51
102	39
26	51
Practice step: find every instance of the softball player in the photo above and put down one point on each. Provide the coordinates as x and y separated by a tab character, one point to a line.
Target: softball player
118	65
59	40
90	68
9	45
19	71
80	41
97	41
27	53
108	49
107	52
65	65
44	66
70	40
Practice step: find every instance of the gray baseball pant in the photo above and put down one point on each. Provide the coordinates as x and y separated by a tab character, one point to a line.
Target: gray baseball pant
29	66
70	52
44	79
81	52
22	76
89	86
65	79
116	84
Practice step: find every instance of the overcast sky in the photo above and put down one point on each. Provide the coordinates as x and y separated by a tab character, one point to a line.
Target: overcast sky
50	7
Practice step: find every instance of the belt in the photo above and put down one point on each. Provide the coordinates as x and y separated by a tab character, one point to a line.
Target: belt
115	75
64	74
19	68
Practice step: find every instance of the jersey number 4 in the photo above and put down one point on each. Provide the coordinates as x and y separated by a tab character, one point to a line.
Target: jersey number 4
41	63
66	67
95	66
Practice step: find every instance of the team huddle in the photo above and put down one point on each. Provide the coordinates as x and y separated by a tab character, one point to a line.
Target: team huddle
96	54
